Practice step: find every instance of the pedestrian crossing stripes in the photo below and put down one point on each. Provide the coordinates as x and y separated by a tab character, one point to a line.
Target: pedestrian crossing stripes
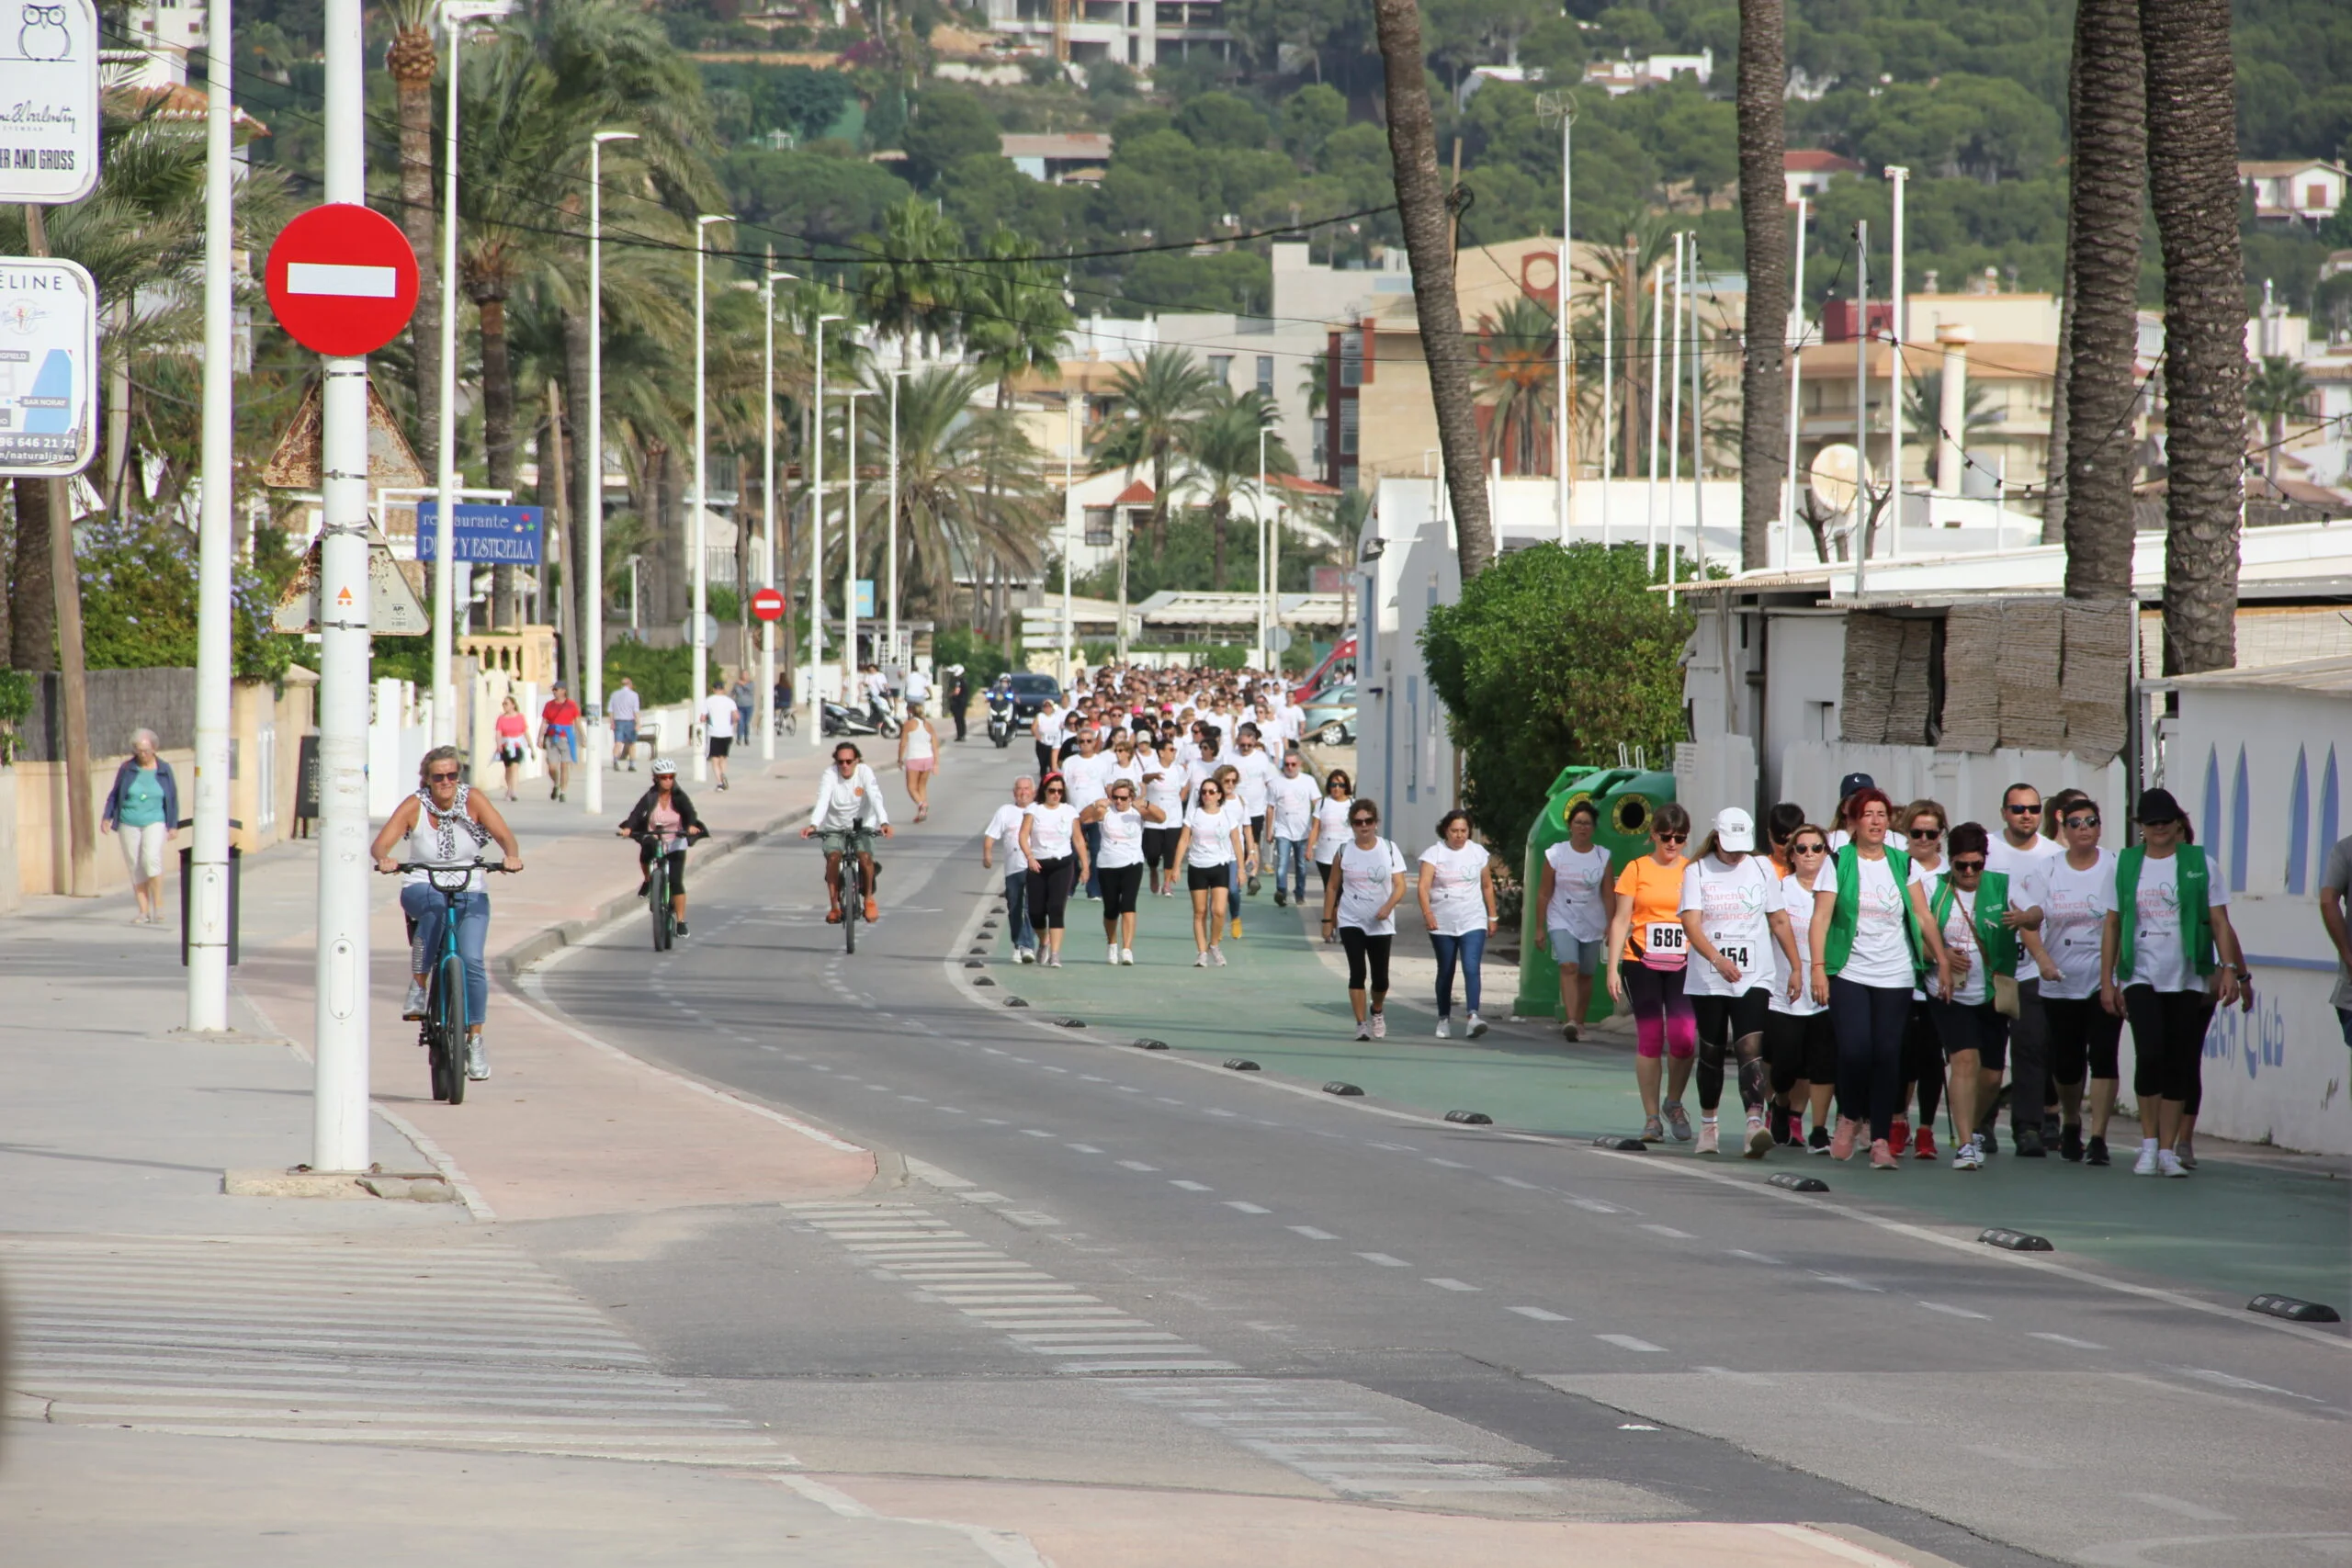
1088	1338
470	1346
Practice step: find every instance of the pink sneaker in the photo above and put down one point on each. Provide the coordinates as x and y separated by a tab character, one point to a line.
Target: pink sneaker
1881	1156
1841	1142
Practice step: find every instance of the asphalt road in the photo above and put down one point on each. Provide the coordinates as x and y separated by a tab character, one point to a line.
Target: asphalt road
1122	1267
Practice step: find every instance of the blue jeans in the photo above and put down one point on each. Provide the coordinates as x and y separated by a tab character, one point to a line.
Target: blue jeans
1290	855
1016	908
422	905
1470	949
1094	831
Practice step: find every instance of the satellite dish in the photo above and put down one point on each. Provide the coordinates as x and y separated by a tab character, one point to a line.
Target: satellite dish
1834	477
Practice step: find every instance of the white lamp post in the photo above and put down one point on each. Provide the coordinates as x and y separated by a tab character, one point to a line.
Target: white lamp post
1897	174
1564	107
592	505
849	560
701	682
817	548
897	374
208	892
767	516
1069	533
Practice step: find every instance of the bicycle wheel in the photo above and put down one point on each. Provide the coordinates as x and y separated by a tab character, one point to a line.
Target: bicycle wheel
852	900
656	895
450	983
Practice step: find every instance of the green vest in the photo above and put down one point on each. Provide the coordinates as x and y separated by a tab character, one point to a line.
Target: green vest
1846	914
1995	943
2194	879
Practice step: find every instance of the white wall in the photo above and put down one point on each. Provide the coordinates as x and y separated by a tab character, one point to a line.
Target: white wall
1404	758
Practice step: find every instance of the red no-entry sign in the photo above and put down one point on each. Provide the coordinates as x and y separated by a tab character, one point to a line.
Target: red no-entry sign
342	279
768	605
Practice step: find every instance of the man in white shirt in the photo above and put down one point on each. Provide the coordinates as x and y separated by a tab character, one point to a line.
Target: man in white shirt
2019	852
917	686
1258	774
1003	838
849	811
719	717
1290	801
1086	775
622	708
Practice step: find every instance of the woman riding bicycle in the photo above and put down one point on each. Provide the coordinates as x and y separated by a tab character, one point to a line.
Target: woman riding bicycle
447	824
663	821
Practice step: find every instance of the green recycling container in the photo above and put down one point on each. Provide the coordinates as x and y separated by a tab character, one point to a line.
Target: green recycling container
1626	797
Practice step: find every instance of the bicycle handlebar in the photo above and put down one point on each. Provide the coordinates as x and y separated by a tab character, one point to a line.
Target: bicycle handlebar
420	865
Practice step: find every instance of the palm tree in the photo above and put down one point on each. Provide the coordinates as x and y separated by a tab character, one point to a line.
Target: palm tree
1923	404
971	487
907	289
413	63
1015	316
1764	383
1218	452
2193	186
2277	392
1152	404
2107	177
1517	348
1427	217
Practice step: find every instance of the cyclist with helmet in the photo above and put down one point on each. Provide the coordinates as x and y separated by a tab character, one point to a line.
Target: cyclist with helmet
849	810
663	822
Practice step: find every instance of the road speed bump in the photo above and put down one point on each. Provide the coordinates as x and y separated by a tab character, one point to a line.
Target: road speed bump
1623	1143
1150	1045
1070	1022
1241	1064
1336	1087
1016	1002
984	980
974	964
2294	1309
978	952
2015	1241
1796	1183
1470	1118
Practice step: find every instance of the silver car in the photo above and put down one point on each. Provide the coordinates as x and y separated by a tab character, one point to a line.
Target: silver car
1331	715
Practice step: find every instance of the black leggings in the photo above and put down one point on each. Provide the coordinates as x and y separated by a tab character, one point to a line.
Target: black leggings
1923	1062
1731	1026
1366	950
2168	1044
1119	884
1049	892
1044	761
2085	1038
677	859
1159	847
1870	1021
1801	1048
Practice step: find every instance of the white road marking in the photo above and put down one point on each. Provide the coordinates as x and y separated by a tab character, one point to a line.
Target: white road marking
1955	1312
1627	1342
1449	1164
1136	1165
1082	1148
1540	1315
2069	1341
1595	1206
1247	1208
1515	1182
1752	1256
1383	1259
2186	1511
1450	1284
1848	1281
1034	1132
1192	1186
1669	1232
1311	1233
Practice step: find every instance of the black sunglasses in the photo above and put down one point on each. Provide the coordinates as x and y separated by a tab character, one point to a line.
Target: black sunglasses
1959	866
2082	821
1361	821
2033	810
1671	838
442	778
1930	834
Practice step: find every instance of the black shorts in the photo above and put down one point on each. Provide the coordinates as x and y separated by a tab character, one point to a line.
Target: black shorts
1972	1026
721	744
2085	1039
1725	1020
1204	878
1119	884
1800	1046
1159	846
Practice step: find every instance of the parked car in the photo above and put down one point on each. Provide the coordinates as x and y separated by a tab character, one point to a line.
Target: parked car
1331	715
1029	693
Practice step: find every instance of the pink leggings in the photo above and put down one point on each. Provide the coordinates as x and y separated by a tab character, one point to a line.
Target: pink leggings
1663	1023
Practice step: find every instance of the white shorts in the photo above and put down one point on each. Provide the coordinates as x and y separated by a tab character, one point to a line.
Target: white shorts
142	849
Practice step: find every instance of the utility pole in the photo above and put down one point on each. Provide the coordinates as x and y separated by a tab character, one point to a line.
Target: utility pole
767	513
897	373
1069	535
1698	436
1657	386
700	641
591	500
1796	348
208	892
817	548
849	557
340	1110
1607	398
1674	416
1898	175
1861	402
1562	107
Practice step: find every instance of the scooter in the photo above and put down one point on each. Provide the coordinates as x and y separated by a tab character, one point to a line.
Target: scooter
842	719
1000	724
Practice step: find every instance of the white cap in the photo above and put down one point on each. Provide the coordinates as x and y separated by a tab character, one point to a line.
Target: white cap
1735	829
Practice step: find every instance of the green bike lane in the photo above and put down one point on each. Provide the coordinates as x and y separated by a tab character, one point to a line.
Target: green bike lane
2238	1226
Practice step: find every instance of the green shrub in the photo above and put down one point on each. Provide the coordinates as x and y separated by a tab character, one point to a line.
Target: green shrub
662	674
982	659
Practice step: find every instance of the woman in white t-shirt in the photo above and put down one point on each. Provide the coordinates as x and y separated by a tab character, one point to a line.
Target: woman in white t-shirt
1797	1039
1574	896
1869	917
1056	855
2085	1038
1456	888
1048	730
1209	846
1163	786
1732	909
1360	906
1329	828
1119	822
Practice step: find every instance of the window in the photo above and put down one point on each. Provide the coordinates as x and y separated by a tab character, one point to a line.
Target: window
1098	525
2314	197
1347	415
1265	375
1351	359
1221	369
1322	444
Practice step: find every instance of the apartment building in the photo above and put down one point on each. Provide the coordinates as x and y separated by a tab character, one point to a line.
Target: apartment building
1138	33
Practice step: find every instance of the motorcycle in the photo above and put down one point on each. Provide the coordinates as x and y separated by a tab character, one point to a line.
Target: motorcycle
1000	724
842	719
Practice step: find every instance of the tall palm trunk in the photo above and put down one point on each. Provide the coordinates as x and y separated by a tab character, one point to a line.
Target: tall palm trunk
2107	177
32	606
1429	245
1764	383
2192	175
581	577
561	525
489	295
1218	510
1629	301
413	63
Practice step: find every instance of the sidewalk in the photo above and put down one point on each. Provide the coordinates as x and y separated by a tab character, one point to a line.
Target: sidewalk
2260	1220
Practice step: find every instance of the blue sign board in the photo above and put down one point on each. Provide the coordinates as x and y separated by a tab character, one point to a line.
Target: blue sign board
865	598
485	534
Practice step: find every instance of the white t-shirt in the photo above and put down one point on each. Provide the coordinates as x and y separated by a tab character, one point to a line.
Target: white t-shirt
2028	870
1333	816
1365	881
1734	904
1165	789
1455	899
1212	837
2074	912
1959	936
1049	727
2156	956
719	717
1050	827
1084	775
1797	904
1121	839
622	706
1196	770
1258	775
1292	797
1881	955
1004	830
918	687
1579	903
877	686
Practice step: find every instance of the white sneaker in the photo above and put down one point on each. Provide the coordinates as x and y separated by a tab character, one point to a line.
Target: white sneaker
1128	955
1114	954
1200	961
1216	956
1363	1028
1380	1026
1022	956
2168	1164
1477	1027
1053	960
414	1005
2146	1164
1445	1029
477	1059
1968	1156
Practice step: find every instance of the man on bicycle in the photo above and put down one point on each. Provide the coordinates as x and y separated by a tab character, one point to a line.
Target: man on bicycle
849	809
663	822
447	824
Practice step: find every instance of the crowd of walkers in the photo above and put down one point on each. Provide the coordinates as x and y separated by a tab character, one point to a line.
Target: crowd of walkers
1893	963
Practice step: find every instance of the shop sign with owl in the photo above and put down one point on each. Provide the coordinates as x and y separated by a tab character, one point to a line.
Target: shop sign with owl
49	101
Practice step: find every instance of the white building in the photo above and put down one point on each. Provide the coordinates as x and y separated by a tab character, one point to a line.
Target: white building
1132	32
2295	190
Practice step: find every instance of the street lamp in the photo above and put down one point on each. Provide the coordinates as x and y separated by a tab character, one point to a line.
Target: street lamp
849	562
592	503
767	516
897	374
1562	107
702	485
817	548
455	14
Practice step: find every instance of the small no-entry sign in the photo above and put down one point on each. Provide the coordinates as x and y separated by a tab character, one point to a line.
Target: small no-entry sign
768	605
342	279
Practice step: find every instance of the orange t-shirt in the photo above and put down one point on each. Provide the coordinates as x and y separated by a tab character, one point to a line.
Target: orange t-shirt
1656	892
